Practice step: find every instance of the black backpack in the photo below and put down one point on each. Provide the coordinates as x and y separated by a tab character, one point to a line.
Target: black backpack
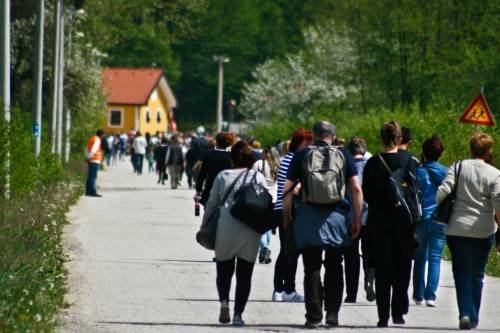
253	205
405	207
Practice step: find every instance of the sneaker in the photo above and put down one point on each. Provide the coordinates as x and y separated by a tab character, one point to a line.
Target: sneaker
293	297
277	296
465	323
370	293
430	303
237	320
398	320
267	256
261	256
224	316
312	324
417	302
332	319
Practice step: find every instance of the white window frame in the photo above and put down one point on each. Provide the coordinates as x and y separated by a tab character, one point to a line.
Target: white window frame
121	118
158	112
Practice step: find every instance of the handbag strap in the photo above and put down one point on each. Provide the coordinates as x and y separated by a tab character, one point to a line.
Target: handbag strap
231	187
457	176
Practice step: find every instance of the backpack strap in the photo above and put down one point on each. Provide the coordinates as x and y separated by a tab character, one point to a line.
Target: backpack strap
384	163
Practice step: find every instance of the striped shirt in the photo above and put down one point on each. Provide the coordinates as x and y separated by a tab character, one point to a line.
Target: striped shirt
282	172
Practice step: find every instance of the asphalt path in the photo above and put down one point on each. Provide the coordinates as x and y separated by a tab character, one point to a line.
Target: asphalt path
134	266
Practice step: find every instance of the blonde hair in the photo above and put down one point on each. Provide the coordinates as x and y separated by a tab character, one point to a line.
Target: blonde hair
481	144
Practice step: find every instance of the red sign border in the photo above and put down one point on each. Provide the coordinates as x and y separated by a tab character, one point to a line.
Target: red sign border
482	100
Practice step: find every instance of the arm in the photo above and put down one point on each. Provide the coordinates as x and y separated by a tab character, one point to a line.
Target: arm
94	149
214	199
202	176
357	203
446	185
287	203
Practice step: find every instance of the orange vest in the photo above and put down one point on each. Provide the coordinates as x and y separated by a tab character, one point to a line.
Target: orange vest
97	156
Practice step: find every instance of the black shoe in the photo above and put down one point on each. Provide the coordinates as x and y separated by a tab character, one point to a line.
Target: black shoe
224	316
350	299
94	195
370	293
312	324
398	320
332	319
382	323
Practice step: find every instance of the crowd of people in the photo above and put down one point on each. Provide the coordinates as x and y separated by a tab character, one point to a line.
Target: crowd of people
331	199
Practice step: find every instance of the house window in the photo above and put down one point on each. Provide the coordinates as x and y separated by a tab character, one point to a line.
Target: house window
115	118
148	116
158	116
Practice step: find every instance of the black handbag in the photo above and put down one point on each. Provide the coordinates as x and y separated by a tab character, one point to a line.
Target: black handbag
442	214
208	230
253	205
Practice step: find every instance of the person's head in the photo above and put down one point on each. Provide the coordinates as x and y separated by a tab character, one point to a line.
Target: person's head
357	146
211	144
164	140
242	156
138	133
300	139
391	134
100	133
432	148
224	140
175	139
324	131
255	145
148	136
406	138
481	146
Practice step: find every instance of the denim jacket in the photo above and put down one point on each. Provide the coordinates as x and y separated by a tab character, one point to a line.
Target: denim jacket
430	175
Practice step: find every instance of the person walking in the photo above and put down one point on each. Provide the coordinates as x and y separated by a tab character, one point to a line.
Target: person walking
214	161
160	158
236	244
320	221
139	146
285	268
268	166
430	234
93	157
175	162
391	241
357	147
471	228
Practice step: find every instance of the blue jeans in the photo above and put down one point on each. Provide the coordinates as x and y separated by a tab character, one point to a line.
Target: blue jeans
91	184
265	240
432	240
468	258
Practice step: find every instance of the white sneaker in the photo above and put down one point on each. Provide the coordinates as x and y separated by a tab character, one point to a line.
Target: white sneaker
417	302
277	297
431	303
293	297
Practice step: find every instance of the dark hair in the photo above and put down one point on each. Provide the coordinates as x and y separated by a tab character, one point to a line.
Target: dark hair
391	134
323	129
224	139
298	137
432	148
99	132
406	135
164	139
356	146
241	155
138	133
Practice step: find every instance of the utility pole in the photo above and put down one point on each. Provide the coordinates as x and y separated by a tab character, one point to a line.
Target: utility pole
55	76
5	84
60	92
37	86
221	60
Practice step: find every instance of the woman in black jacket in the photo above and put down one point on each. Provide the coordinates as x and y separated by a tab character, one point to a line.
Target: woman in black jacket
390	240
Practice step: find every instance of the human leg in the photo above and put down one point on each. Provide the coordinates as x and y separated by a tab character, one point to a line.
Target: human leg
313	289
401	281
437	240
334	280
244	270
420	257
225	271
280	266
482	248
352	267
369	272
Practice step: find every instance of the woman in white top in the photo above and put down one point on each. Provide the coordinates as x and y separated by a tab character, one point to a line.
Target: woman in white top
268	166
472	226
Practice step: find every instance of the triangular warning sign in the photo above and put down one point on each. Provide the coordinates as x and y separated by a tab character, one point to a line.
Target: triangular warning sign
478	113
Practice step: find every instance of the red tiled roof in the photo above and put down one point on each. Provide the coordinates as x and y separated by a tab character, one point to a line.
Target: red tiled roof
130	85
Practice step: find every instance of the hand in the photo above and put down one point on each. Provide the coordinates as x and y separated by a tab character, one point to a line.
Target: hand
355	229
296	190
197	197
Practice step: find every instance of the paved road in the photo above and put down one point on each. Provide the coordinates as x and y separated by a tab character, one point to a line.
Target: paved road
135	267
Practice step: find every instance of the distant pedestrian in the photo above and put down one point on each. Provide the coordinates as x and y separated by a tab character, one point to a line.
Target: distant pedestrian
471	228
175	162
139	145
214	161
236	244
285	268
391	240
93	157
430	234
108	143
160	157
320	220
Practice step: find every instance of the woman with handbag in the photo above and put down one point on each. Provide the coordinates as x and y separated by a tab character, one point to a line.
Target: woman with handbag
236	244
430	233
471	226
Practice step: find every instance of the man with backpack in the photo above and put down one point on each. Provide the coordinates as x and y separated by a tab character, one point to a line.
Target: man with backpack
320	221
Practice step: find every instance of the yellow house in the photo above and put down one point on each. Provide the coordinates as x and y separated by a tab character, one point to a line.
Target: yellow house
138	99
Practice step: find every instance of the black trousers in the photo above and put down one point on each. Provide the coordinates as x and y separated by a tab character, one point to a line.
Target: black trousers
393	256
331	290
225	272
285	268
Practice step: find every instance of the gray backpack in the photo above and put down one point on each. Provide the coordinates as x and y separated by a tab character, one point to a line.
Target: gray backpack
323	179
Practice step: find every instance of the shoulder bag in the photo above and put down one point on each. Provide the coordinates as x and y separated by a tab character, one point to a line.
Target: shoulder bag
442	214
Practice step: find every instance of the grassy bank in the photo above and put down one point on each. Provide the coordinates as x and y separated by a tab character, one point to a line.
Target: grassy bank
32	274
